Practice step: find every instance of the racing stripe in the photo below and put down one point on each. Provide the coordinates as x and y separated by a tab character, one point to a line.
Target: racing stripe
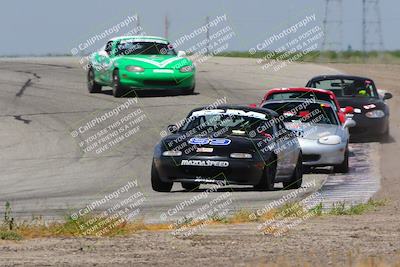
155	63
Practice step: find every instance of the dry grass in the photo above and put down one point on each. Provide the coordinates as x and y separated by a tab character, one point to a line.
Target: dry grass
96	226
85	226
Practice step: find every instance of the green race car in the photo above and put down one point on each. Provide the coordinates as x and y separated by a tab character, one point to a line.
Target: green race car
140	62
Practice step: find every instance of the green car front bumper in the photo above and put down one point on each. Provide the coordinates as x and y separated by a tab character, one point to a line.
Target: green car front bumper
158	79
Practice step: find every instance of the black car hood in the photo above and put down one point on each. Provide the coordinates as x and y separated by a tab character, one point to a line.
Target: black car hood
183	143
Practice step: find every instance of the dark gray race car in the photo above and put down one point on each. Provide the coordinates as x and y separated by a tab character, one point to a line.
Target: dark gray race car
229	145
371	113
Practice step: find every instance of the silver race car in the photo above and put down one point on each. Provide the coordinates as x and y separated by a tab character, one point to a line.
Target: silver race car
323	139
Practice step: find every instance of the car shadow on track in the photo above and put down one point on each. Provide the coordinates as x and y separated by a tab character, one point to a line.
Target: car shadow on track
383	140
318	170
224	189
150	93
228	188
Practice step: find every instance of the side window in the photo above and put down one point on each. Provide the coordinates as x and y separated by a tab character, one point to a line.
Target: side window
281	130
108	47
275	131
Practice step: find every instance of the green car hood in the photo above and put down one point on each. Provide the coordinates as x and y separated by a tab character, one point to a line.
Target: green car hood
152	61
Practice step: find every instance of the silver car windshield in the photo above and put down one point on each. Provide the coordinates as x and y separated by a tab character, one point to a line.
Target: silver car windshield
316	113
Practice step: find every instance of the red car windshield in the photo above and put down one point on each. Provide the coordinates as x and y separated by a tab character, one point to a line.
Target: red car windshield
302	95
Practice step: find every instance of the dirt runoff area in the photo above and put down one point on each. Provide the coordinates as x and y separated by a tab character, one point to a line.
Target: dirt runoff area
359	240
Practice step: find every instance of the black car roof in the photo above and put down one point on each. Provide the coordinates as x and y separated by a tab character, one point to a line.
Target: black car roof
339	76
265	111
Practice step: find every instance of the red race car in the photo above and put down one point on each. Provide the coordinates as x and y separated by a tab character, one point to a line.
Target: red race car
305	92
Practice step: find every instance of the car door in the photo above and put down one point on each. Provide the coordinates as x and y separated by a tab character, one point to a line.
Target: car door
279	147
293	149
289	148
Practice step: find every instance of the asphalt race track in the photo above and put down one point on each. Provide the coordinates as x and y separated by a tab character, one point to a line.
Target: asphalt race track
44	170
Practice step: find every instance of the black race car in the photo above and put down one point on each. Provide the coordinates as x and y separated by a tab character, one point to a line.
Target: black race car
370	110
228	145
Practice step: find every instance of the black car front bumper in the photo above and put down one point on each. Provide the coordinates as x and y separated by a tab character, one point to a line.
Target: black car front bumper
369	127
239	171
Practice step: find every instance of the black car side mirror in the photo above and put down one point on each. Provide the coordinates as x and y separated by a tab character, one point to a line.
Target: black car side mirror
172	128
387	96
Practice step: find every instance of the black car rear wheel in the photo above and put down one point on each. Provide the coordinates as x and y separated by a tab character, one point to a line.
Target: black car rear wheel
344	166
92	85
297	176
267	181
190	186
156	182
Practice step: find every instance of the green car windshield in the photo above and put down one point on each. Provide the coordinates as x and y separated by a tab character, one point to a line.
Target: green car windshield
132	47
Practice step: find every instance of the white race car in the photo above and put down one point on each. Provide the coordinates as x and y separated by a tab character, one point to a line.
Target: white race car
323	139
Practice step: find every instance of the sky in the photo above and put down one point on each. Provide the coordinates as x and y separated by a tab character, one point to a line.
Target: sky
49	26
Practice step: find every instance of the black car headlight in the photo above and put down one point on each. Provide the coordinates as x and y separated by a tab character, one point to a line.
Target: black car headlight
241	156
377	113
172	153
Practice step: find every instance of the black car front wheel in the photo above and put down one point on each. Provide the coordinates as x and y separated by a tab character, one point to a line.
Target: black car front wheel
156	183
267	181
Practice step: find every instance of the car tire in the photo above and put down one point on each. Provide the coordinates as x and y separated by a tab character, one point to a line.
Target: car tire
92	85
156	183
344	166
386	135
297	176
267	182
307	169
118	89
190	186
189	91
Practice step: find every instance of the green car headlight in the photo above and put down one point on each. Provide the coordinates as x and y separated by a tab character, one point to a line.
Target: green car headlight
186	69
134	69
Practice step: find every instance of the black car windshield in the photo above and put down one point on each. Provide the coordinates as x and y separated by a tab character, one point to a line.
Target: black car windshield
304	112
132	47
223	124
347	87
